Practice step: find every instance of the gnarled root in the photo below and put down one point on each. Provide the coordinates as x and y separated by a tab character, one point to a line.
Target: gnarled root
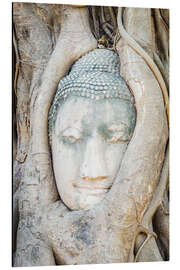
154	205
135	46
141	166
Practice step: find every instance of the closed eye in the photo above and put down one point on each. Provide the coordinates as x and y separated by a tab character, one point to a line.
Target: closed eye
118	139
115	133
70	139
70	135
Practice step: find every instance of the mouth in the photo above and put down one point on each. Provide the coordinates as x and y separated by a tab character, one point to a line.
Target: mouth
94	178
92	190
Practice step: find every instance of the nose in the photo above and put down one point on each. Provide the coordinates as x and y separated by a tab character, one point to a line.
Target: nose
94	165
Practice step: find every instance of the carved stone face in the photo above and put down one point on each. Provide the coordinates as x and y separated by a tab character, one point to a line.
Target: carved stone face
88	143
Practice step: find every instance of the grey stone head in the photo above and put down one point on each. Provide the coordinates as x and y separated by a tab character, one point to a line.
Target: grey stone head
94	76
91	122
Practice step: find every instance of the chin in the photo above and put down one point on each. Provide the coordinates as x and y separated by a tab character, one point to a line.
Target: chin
85	201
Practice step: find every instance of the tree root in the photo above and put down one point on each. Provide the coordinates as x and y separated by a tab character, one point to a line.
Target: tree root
116	40
165	212
77	6
156	201
96	23
135	46
159	192
161	68
146	219
104	25
17	62
149	234
112	16
146	95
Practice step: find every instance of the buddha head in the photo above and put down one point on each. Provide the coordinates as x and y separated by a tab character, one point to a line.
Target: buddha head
91	122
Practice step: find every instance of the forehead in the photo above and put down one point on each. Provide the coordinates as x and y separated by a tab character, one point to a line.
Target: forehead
80	111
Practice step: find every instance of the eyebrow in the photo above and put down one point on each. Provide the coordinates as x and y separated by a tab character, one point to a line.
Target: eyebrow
118	127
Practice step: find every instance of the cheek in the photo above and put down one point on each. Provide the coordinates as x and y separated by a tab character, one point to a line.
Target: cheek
114	155
66	163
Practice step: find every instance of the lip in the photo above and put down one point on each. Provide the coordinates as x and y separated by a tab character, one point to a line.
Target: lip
93	191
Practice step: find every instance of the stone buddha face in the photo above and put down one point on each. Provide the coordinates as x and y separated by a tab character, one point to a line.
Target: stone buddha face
90	122
88	143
